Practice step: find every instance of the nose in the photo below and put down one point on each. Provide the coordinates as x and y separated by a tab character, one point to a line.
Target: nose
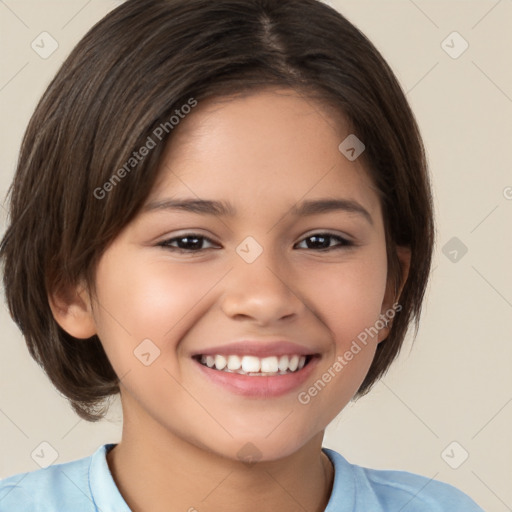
261	291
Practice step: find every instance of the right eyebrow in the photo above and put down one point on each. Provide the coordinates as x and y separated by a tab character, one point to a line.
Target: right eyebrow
200	206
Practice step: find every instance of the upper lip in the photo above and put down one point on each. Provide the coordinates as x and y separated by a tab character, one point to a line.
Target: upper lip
257	348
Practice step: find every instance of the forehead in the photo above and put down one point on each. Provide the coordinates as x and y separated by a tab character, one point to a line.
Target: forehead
272	147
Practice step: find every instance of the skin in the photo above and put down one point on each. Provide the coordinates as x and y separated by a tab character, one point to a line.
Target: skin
263	153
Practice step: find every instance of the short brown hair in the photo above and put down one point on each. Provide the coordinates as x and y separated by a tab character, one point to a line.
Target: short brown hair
126	77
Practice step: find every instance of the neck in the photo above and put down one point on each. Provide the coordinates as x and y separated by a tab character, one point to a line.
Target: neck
157	471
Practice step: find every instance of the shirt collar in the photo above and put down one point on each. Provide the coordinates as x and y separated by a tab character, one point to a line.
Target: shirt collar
107	498
105	494
343	494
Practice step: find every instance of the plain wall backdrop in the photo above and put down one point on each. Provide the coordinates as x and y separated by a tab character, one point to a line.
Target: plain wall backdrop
444	410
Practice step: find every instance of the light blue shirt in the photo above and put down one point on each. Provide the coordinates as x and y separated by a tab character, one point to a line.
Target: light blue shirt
86	485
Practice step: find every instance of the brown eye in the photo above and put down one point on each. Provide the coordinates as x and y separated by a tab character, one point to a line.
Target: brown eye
322	241
188	242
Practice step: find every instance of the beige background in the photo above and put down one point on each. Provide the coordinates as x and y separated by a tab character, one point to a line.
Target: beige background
455	382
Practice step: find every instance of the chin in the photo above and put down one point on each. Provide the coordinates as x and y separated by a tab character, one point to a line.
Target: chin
262	448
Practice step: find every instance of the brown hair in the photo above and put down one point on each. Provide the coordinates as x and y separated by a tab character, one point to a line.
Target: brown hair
127	76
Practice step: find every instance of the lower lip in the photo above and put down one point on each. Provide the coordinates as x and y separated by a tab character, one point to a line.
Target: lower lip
259	387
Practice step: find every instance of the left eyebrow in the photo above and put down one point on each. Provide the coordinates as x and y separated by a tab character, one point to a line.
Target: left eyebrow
317	206
220	208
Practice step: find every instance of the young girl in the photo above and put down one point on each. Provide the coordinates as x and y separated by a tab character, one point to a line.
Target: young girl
222	212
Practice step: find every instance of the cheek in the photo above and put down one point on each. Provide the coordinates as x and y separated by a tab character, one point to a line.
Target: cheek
350	302
351	296
140	300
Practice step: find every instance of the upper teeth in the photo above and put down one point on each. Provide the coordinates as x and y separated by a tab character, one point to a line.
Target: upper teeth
253	364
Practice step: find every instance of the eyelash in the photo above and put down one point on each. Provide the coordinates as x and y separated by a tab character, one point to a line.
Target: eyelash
344	242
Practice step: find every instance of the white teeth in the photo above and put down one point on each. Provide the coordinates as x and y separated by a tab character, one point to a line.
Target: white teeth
220	362
269	365
272	365
250	364
234	363
283	363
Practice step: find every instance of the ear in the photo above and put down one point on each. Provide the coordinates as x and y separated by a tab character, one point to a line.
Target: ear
72	310
392	296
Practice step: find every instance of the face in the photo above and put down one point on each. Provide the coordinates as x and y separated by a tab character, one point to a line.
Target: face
268	277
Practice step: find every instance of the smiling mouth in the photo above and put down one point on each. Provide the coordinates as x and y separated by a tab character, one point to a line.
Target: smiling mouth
255	366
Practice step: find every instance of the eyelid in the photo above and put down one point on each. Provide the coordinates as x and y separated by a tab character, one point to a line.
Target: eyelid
344	236
344	241
186	234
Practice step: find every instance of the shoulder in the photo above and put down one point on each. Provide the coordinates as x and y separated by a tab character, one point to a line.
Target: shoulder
416	492
53	489
389	490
